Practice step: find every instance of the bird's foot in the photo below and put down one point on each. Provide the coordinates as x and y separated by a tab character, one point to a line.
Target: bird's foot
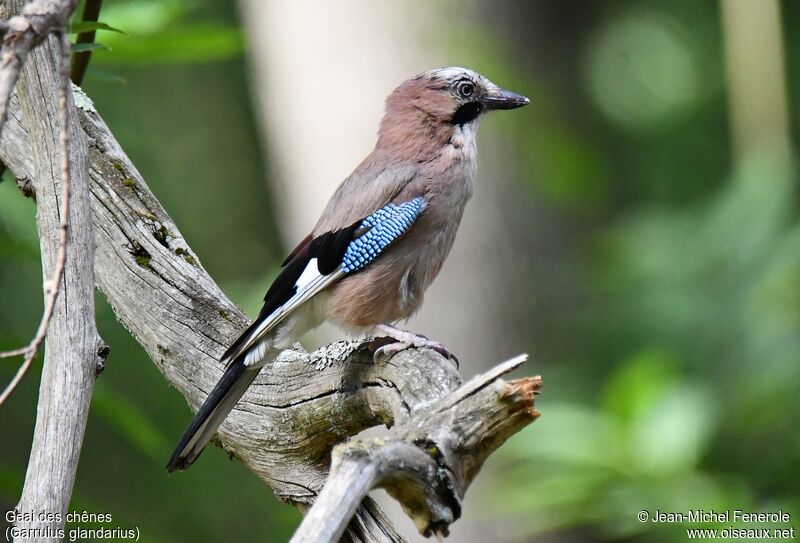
405	340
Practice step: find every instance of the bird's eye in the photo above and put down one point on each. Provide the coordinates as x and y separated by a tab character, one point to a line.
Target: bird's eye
465	89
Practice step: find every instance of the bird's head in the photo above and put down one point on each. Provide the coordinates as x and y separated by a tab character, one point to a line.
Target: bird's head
424	111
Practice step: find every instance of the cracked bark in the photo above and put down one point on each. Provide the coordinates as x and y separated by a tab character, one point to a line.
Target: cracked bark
298	409
429	459
73	347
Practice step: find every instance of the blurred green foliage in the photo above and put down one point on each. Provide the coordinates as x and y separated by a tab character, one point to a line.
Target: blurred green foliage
671	354
663	271
700	414
167	32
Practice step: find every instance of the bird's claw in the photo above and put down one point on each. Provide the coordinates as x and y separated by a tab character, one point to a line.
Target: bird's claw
425	343
388	350
405	340
374	344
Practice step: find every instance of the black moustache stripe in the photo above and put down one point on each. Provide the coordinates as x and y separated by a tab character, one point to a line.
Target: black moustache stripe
467	113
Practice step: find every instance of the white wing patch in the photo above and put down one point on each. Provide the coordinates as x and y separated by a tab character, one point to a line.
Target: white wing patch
310	273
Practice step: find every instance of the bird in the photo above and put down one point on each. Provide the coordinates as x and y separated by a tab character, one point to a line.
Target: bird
378	244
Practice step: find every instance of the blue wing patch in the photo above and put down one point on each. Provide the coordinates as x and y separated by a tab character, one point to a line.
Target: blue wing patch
385	225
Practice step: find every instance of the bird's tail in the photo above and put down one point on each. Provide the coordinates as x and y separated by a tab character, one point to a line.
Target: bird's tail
220	402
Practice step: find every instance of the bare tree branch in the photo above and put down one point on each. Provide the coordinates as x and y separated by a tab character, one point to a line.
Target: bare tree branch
58	158
53	286
429	460
300	407
21	34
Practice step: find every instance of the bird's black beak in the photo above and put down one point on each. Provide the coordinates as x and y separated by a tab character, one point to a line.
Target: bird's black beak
498	98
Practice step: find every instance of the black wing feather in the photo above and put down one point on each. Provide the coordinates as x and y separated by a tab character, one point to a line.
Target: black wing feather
327	248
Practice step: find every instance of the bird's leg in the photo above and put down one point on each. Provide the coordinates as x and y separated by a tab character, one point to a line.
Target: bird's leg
405	340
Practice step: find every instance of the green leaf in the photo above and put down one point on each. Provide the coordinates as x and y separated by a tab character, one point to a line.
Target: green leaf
88	26
81	47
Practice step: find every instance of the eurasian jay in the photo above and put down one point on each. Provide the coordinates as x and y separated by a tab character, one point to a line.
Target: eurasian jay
379	243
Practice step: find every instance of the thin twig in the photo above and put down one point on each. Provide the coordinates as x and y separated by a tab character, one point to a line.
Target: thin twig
53	286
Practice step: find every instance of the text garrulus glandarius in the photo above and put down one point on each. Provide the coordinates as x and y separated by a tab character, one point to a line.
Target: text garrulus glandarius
380	241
